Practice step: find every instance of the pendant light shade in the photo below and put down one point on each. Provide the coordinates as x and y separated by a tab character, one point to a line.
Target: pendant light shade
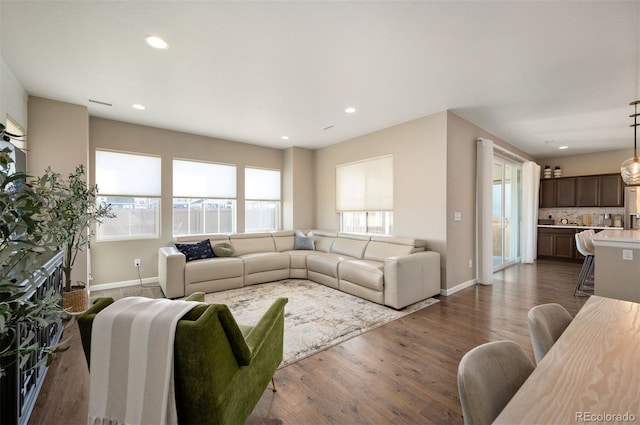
630	169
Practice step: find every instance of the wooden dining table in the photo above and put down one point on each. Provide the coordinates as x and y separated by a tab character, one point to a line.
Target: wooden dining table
591	374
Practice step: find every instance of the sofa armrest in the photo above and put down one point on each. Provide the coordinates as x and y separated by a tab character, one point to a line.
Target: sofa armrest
85	324
411	278
171	264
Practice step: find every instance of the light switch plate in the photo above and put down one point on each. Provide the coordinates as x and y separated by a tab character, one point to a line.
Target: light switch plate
627	254
457	216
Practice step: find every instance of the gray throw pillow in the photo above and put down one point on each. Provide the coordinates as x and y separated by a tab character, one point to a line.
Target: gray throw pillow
303	241
223	249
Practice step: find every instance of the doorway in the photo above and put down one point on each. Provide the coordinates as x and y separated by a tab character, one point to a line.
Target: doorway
506	212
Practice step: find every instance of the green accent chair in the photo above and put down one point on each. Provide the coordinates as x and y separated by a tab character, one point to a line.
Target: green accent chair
221	369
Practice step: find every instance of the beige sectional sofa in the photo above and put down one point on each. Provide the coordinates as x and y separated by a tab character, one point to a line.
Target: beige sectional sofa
387	270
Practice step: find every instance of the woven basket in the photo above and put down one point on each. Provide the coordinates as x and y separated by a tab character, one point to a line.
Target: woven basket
75	301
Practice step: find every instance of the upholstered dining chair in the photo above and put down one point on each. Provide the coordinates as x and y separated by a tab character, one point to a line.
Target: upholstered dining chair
488	377
221	369
546	324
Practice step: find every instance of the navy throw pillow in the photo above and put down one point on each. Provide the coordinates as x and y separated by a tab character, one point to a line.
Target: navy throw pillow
196	251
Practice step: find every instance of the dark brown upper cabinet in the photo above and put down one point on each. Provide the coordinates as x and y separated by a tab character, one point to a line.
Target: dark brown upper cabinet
566	192
606	190
557	192
588	191
611	191
547	193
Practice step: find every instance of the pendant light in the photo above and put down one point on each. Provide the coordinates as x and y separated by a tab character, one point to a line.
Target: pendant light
630	169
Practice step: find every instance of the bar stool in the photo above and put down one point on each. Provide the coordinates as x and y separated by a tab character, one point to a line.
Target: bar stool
585	278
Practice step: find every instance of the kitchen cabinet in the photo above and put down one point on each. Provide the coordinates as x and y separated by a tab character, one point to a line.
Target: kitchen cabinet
557	192
611	190
606	190
558	243
588	191
547	193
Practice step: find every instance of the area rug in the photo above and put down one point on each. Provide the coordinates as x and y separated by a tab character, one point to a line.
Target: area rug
316	317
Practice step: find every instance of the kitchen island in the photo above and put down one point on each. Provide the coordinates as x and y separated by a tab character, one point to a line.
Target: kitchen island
617	267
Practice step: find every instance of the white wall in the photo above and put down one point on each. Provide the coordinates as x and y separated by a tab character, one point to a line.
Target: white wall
13	98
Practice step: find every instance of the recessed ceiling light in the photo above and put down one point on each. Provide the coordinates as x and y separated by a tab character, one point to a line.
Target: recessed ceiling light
285	137
138	106
563	147
156	42
350	110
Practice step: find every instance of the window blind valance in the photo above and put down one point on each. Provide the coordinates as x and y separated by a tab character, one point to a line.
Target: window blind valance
119	173
194	179
365	185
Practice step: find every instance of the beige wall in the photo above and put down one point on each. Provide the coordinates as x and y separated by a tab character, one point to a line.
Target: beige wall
298	189
461	196
113	261
419	173
587	164
58	136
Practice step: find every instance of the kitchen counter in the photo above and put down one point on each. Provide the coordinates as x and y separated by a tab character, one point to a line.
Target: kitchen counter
575	226
617	268
618	238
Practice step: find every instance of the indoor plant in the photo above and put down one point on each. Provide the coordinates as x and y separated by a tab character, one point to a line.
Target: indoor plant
72	212
24	237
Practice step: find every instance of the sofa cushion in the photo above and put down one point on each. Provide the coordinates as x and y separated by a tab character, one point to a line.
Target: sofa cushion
298	259
283	240
304	241
369	274
325	263
212	269
265	261
223	249
378	251
349	246
196	251
249	243
323	240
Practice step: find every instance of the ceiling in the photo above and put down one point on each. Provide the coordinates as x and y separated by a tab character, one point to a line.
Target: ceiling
538	74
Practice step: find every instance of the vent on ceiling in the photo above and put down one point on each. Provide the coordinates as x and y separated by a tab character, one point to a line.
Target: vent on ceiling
100	102
328	127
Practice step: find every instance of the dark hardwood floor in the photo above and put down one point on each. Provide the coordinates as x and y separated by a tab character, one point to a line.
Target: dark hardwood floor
401	373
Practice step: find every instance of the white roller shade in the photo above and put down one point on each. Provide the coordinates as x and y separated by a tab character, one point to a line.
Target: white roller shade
128	174
365	185
193	179
260	184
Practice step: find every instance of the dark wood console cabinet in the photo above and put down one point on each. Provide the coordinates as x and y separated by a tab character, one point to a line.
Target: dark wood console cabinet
20	386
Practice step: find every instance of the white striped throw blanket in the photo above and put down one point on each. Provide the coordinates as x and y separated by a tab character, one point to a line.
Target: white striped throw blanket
131	380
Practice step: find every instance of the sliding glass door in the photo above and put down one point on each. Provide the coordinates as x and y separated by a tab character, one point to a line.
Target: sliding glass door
507	202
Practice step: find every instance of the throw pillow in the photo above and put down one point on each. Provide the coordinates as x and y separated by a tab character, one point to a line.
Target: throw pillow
223	249
196	251
303	241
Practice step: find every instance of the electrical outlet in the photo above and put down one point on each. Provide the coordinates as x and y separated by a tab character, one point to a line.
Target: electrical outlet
470	264
136	262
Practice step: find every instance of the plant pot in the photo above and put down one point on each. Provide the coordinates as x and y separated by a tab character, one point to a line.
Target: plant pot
76	300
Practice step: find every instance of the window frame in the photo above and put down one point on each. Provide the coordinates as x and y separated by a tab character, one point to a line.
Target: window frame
264	200
136	198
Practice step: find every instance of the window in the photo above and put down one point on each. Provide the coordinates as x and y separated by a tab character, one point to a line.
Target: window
364	195
379	222
131	184
204	197
262	200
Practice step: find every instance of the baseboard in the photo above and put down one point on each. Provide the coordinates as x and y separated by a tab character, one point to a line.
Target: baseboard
458	288
123	284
